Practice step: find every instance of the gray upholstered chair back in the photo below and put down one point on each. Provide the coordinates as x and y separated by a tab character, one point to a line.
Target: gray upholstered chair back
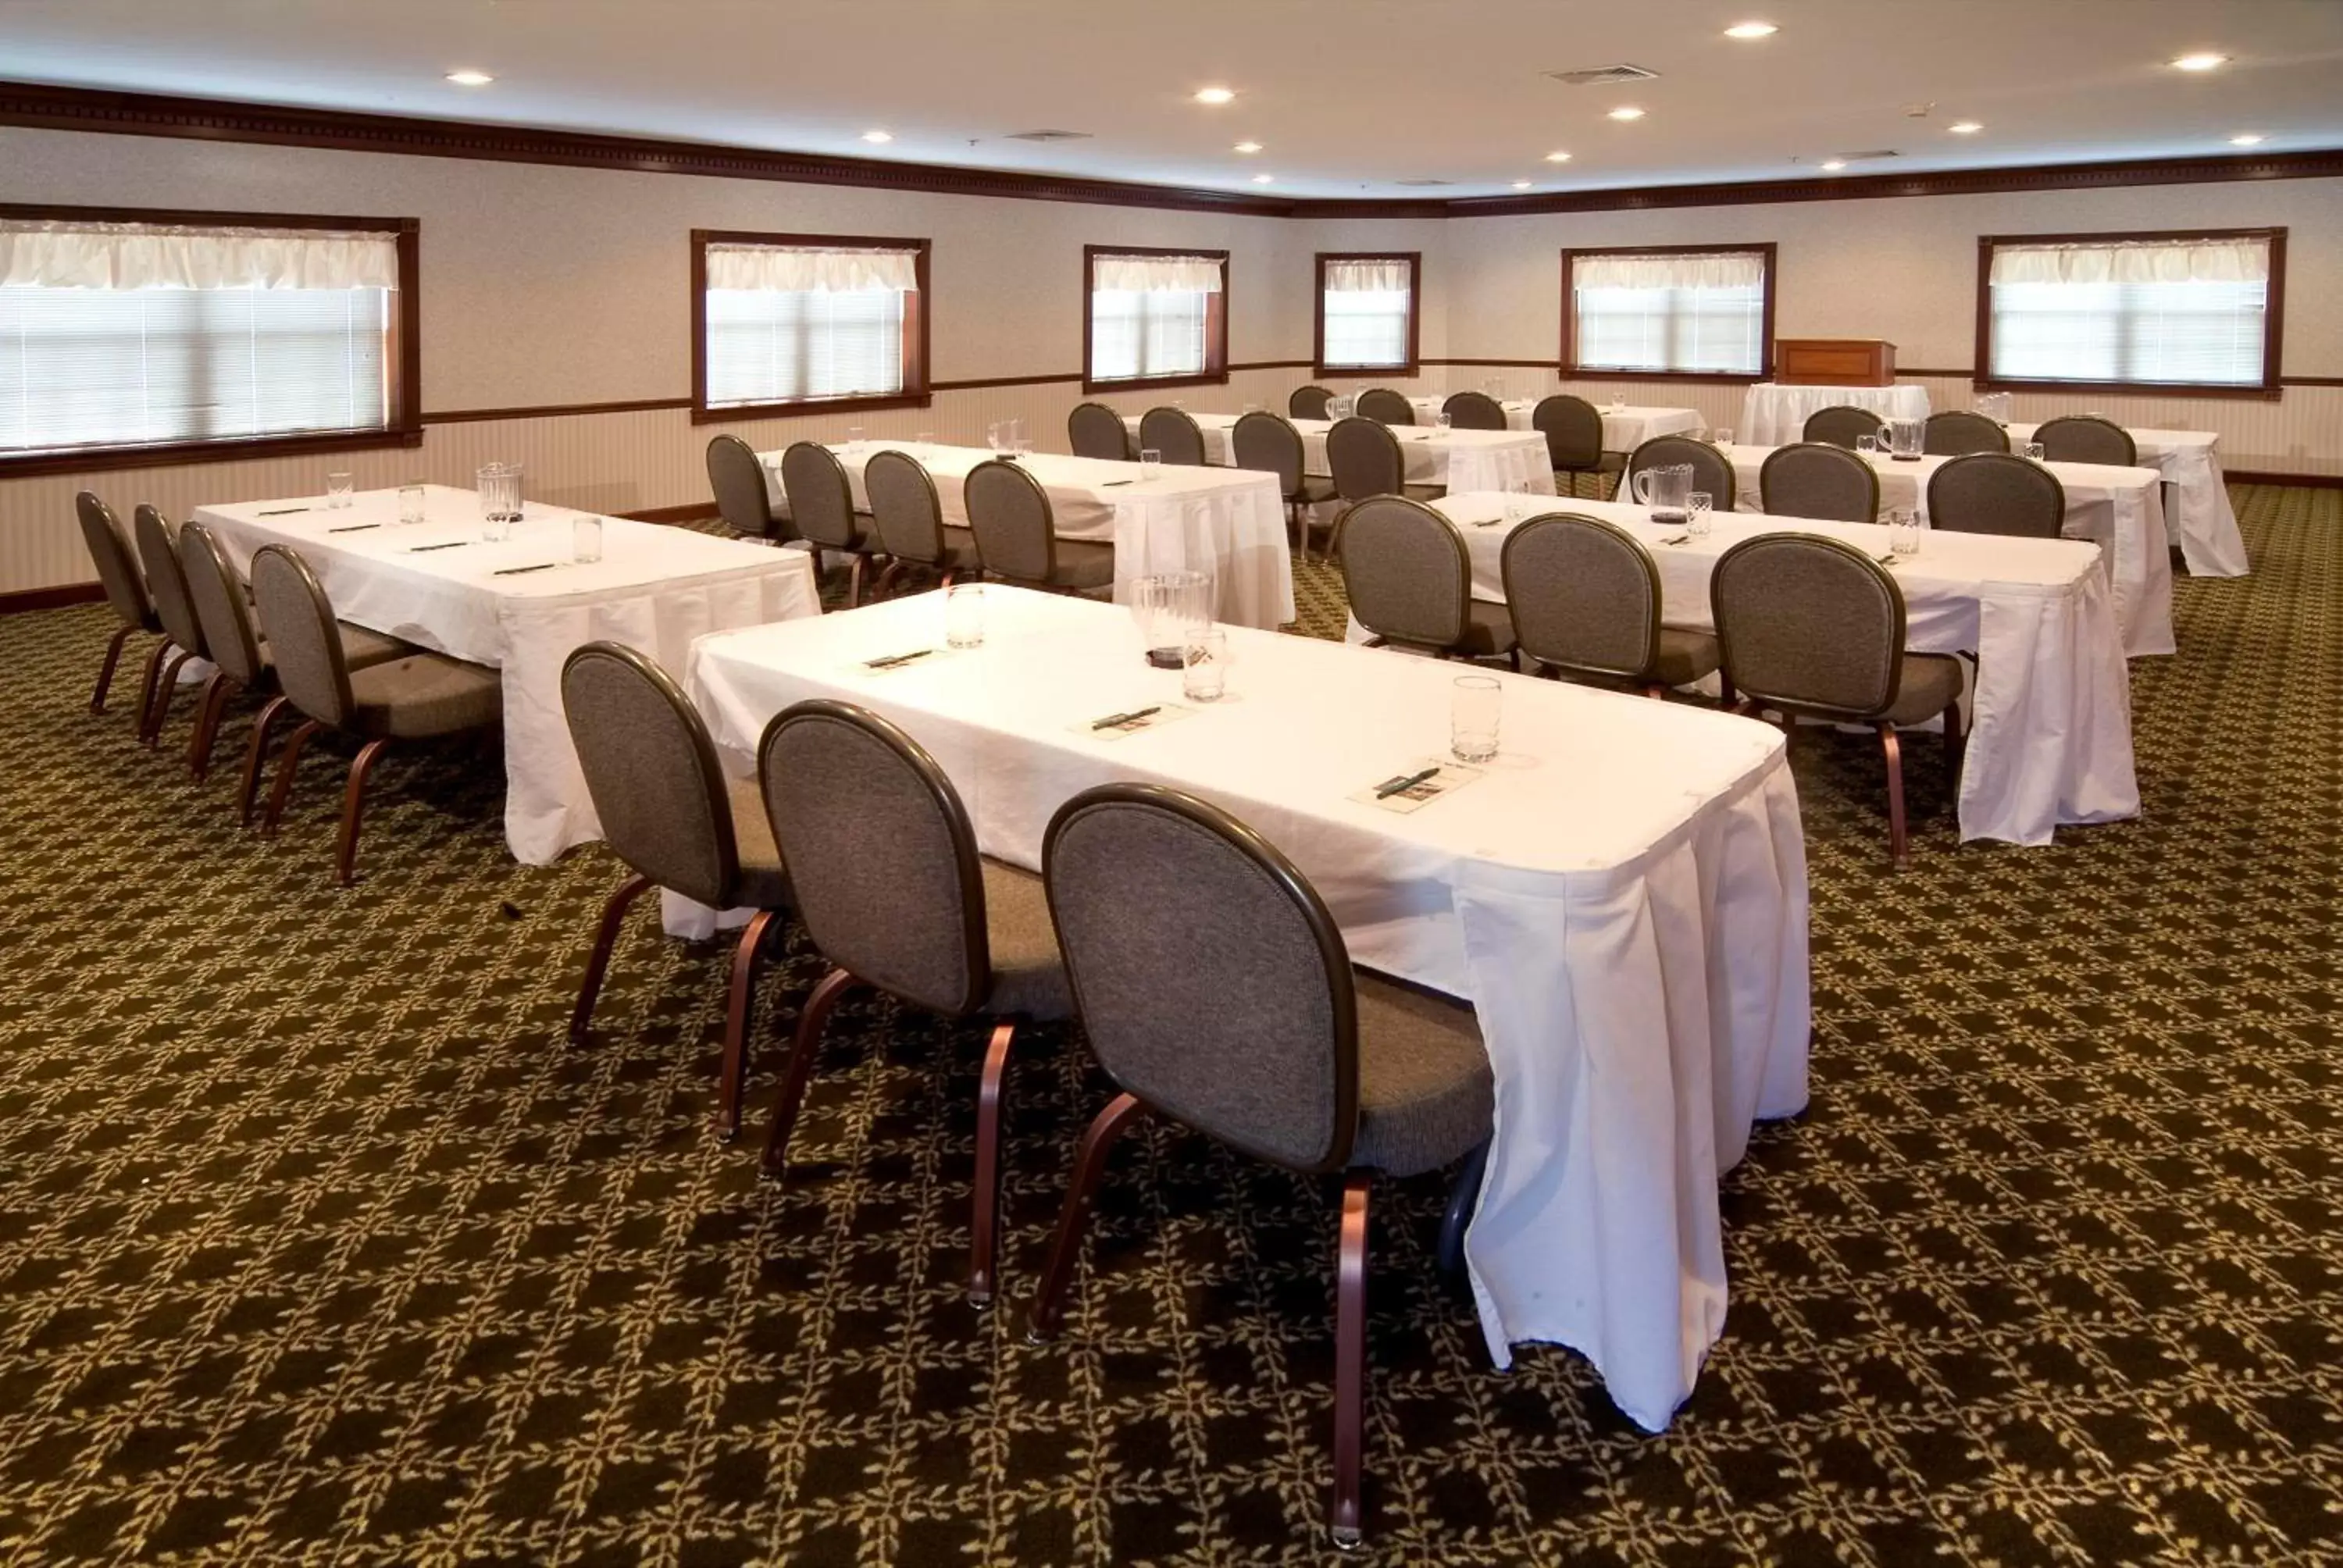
1406	571
1995	493
2086	439
1957	432
904	508
1015	528
1309	403
304	641
117	569
1263	442
1211	981
1385	407
1810	622
1840	425
1572	428
1473	411
822	499
652	772
1171	432
229	640
167	584
1583	595
1095	430
1365	459
882	860
1816	479
1710	469
742	498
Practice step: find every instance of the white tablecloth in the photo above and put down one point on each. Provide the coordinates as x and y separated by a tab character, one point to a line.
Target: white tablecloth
655	589
2050	739
1231	524
1625	428
1458	459
1774	416
1622	895
2204	524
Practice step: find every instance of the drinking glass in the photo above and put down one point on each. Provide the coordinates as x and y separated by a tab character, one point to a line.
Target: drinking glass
1903	532
1014	432
1151	463
1618	403
1447	421
854	437
1724	435
992	435
1253	408
338	490
927	439
1866	445
964	614
1697	513
1204	665
1698	432
1474	705
586	539
411	503
2035	452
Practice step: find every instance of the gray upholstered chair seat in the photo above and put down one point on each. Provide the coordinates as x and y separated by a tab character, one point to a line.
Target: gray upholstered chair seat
1488	630
1425	1089
422	694
764	882
1029	975
1082	565
363	646
959	553
1931	682
1686	657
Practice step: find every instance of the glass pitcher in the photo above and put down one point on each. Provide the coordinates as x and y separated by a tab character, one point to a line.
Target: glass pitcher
1666	490
500	488
1902	439
1172	609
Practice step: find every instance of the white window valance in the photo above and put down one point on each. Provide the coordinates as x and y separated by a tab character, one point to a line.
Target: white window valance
1708	269
1369	277
62	253
2134	261
794	270
1157	274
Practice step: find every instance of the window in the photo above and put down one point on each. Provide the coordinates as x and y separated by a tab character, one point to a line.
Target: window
1158	317
2158	311
788	323
128	339
1367	313
1677	310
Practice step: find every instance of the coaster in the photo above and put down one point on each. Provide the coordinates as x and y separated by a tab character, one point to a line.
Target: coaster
1432	778
1124	725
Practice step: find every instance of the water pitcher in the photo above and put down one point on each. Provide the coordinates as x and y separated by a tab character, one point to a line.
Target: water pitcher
1666	490
1170	609
1902	439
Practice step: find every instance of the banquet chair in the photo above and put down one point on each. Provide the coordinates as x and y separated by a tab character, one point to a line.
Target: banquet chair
1957	432
1269	444
417	697
1409	579
242	659
1095	430
1016	534
125	594
1365	459
1840	425
167	586
1309	403
1816	479
1995	493
910	521
1216	992
821	509
1584	598
1813	627
1711	470
1385	407
1473	411
744	499
1174	434
669	812
2086	439
1572	428
894	895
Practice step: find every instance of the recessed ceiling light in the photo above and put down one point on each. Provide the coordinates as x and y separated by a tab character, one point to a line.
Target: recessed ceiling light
1626	111
1557	157
1520	185
2250	139
1833	166
1751	30
1262	179
470	78
878	138
2200	61
1215	95
1248	147
1965	127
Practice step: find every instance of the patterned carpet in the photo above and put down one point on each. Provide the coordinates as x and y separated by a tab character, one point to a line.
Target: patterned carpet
317	1243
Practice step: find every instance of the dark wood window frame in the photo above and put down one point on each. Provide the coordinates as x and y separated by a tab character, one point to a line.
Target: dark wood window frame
2268	389
917	391
1216	322
1764	371
1413	363
404	353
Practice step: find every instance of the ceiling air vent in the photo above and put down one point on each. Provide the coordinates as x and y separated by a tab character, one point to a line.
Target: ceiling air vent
1598	76
1050	135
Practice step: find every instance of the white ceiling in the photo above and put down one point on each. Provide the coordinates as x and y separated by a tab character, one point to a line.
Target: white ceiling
1349	97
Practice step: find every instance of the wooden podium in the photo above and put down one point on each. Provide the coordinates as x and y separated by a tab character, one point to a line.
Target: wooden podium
1833	362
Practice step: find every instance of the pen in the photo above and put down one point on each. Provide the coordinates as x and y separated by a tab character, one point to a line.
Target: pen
1397	785
451	545
893	659
281	511
353	527
510	571
1136	714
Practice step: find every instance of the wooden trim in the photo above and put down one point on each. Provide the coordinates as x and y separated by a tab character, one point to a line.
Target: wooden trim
2310	380
1567	366
19	601
915	392
554	411
981	383
1414	260
175	454
1499	364
1272	364
1216	322
689	512
2294	481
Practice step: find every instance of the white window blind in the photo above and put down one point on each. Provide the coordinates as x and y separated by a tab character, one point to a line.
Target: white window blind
2185	312
1366	307
1151	316
793	324
117	335
1704	312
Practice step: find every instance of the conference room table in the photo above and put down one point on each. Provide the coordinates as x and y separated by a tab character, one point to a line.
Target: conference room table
1227	522
522	605
2200	521
1625	427
1773	414
2050	740
1620	893
1457	459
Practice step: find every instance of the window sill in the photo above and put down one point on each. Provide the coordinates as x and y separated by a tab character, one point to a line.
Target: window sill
173	454
1721	378
806	408
1400	367
1146	383
2266	394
